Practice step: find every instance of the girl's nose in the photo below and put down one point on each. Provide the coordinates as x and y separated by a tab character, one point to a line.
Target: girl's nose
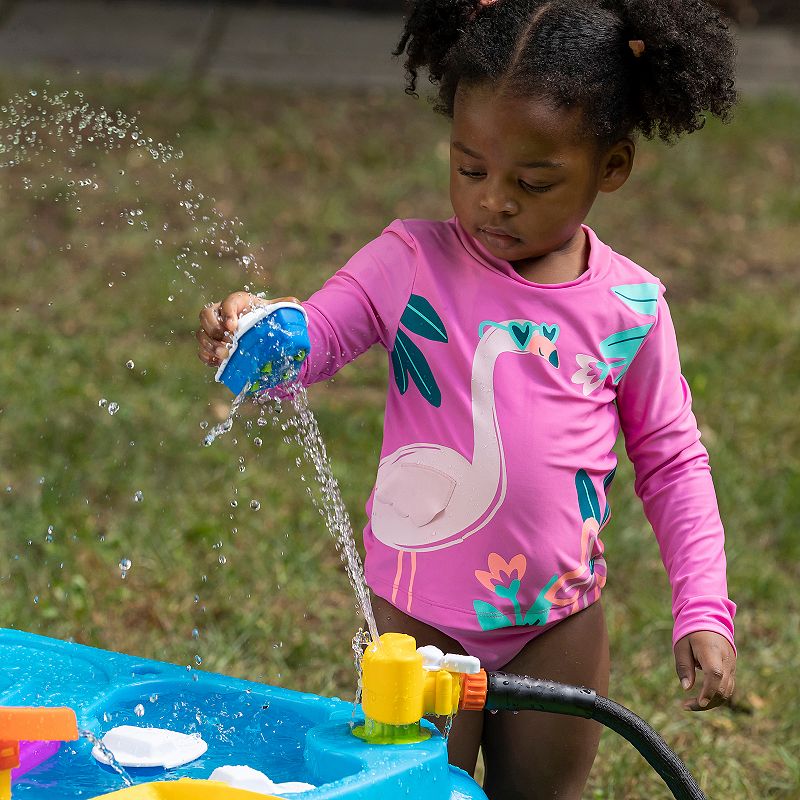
497	200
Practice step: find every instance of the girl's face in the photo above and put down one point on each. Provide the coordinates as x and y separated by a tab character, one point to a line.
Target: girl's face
522	175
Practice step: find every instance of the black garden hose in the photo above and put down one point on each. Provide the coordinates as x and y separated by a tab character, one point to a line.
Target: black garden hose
518	693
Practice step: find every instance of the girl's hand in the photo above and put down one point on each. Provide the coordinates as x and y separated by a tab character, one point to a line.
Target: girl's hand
713	654
218	322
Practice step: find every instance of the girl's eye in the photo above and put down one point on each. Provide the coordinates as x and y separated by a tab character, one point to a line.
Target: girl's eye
471	173
538	189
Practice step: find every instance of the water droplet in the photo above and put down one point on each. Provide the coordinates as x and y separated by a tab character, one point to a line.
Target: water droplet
257	441
234	503
153	698
255	505
113	408
36	599
102	402
198	660
139	710
138	496
222	559
130	364
124	565
204	424
195	632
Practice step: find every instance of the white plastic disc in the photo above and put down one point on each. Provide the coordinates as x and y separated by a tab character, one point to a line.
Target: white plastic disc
150	747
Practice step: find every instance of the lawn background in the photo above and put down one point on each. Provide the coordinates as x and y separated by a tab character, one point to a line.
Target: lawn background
312	177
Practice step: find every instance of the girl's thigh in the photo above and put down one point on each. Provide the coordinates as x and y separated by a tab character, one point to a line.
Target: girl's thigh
535	754
465	734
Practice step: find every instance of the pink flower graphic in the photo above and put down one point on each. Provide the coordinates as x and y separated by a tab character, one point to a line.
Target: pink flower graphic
502	572
591	374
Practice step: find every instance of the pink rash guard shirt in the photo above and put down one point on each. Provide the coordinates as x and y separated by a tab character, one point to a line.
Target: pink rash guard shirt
505	398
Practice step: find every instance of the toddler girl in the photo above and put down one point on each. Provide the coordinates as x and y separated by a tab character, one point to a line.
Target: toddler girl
519	344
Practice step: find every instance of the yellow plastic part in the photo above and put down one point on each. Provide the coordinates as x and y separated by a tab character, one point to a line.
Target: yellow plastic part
184	789
5	784
396	688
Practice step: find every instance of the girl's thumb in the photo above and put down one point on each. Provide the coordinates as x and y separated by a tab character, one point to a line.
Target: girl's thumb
684	664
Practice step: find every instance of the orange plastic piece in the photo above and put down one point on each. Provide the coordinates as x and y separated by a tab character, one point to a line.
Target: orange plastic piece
38	724
473	691
9	755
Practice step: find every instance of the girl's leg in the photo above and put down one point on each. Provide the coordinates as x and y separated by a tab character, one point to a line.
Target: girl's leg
534	754
465	735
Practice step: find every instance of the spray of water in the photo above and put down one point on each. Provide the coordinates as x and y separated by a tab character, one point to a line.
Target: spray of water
112	761
37	126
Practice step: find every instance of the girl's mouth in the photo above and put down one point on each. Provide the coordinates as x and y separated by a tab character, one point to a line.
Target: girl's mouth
498	237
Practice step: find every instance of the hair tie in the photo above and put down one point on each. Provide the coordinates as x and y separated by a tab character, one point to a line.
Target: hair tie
478	8
637	47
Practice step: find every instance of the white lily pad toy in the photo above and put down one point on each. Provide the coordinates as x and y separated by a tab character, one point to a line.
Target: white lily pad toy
149	747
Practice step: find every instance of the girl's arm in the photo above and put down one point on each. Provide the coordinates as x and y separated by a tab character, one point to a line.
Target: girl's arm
673	480
358	307
361	304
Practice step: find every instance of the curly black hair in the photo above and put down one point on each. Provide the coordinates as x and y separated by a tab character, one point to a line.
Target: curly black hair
653	67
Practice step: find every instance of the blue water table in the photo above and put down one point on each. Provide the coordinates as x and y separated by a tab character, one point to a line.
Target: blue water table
287	735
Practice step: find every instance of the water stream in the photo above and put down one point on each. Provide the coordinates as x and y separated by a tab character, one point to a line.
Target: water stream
112	761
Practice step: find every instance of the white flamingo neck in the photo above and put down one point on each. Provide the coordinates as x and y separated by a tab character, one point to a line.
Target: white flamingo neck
487	445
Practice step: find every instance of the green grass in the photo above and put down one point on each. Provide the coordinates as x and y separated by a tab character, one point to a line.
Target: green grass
313	177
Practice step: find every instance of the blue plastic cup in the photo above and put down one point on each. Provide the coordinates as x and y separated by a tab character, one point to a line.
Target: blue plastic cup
269	347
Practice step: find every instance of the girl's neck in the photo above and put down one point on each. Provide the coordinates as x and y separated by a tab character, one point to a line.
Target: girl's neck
564	264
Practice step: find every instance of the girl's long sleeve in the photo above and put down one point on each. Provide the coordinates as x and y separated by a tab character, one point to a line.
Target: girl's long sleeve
360	305
673	480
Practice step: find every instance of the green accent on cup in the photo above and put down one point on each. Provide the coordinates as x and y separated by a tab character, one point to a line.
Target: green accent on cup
373	732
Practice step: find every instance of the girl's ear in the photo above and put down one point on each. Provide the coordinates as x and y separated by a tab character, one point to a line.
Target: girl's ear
616	165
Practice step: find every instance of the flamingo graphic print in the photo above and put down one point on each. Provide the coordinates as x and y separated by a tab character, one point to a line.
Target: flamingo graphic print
430	497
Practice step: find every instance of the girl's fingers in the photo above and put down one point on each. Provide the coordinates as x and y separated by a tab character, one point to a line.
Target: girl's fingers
211	321
713	674
210	351
684	663
233	306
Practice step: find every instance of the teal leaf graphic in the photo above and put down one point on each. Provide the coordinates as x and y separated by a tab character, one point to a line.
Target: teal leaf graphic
489	617
540	610
421	318
400	372
587	496
641	297
414	362
606	484
623	347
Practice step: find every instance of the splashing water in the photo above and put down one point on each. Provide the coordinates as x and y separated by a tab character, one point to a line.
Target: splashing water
33	126
361	641
112	762
308	436
227	424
